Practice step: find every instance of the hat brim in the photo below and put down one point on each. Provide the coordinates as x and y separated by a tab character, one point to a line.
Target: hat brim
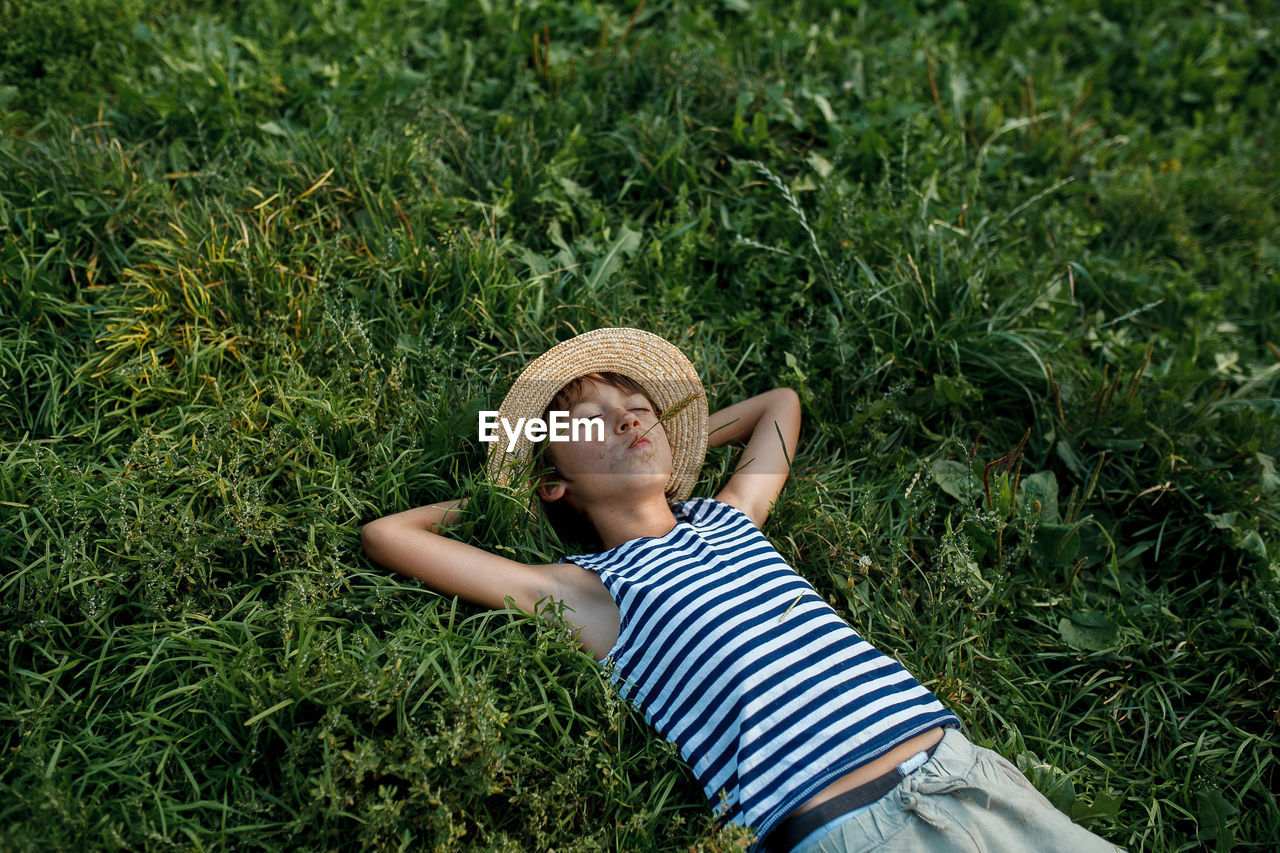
658	365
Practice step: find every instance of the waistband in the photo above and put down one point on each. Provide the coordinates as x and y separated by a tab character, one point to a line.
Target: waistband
796	828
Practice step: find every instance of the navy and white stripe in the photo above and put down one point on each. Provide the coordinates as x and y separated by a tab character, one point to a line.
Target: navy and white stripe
736	659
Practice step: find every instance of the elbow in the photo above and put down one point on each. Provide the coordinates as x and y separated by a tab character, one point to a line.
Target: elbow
789	410
789	395
370	535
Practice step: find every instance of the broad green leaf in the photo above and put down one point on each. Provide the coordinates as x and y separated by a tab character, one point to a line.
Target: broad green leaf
573	189
1004	494
1222	521
565	256
1214	812
952	389
1269	479
820	164
1104	805
1071	459
1040	489
1057	544
1118	445
1252	543
984	543
954	479
538	265
1055	784
1088	630
627	243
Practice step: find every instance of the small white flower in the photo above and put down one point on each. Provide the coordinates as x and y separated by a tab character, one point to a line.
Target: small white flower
847	85
864	561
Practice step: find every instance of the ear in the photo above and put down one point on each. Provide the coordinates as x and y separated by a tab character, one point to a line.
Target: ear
552	491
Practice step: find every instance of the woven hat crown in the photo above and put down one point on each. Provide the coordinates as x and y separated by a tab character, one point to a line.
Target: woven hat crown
659	366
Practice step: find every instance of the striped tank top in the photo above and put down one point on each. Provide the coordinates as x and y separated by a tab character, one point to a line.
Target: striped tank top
734	657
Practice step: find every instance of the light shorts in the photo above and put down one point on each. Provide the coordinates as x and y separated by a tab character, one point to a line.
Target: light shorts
964	798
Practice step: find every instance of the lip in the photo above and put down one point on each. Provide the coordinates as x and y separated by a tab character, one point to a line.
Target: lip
641	443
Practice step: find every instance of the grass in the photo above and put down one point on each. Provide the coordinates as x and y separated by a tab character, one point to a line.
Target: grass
262	264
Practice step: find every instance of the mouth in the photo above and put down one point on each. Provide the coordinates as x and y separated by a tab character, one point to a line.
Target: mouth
638	443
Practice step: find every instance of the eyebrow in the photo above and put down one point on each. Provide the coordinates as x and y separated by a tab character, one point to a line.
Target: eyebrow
578	403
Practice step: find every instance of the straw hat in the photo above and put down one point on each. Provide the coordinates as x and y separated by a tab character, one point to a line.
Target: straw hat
643	356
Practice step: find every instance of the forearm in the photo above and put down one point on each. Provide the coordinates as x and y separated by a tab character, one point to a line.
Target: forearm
408	543
432	517
738	422
770	423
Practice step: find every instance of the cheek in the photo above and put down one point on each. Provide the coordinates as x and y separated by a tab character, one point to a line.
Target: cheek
581	454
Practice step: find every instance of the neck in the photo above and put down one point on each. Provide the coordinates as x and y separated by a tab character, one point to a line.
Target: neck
622	523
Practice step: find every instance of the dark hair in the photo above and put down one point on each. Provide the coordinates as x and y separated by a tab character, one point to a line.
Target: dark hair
567	520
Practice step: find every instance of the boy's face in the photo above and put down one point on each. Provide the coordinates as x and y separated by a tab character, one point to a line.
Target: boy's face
614	468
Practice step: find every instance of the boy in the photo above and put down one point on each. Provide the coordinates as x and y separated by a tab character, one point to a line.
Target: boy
791	722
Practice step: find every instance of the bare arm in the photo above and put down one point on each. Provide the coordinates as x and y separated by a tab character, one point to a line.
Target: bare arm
433	517
406	543
770	424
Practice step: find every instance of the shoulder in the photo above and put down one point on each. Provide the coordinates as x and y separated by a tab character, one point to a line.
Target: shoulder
717	510
733	504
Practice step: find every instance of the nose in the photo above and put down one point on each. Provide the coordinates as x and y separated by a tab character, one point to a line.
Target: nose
627	420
